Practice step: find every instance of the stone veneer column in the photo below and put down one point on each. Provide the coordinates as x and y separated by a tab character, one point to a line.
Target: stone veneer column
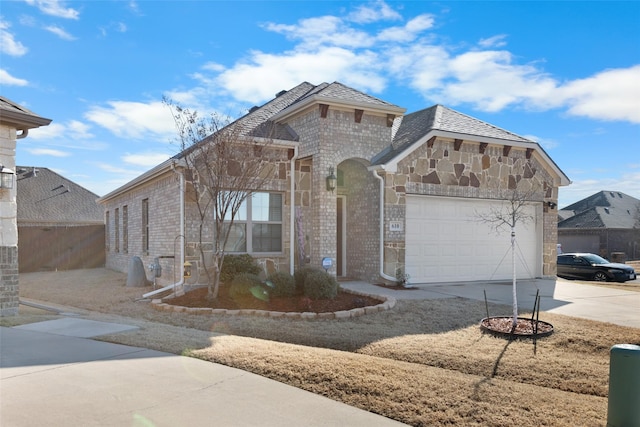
9	298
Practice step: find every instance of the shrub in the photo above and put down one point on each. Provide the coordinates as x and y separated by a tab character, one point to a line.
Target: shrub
236	264
283	284
320	285
243	284
301	274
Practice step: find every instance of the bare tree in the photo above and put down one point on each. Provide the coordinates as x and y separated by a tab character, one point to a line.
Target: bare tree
224	166
509	213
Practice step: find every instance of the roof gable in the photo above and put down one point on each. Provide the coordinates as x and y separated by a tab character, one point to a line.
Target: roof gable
43	196
337	94
411	128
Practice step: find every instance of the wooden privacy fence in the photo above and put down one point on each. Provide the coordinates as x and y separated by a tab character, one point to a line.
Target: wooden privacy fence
60	248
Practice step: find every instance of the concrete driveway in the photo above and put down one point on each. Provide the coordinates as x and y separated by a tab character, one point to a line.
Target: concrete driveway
556	296
48	377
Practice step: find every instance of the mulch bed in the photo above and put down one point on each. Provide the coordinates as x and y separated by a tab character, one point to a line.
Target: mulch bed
299	303
503	326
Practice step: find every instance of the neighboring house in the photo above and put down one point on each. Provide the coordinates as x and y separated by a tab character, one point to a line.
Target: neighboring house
15	122
410	189
606	223
60	225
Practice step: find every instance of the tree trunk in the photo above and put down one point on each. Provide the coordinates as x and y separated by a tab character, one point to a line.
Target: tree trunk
513	274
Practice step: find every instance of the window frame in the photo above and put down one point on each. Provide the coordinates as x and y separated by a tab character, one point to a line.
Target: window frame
145	226
248	221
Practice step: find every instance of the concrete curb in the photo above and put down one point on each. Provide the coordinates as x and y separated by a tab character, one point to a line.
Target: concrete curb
386	303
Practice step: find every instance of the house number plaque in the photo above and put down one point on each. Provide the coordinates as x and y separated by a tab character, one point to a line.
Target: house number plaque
396	226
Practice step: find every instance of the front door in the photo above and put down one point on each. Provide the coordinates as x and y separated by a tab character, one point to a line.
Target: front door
341	224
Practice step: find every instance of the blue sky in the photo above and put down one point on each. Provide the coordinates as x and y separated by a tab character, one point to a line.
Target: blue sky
564	73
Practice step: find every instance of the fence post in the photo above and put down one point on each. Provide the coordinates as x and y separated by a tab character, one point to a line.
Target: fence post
624	386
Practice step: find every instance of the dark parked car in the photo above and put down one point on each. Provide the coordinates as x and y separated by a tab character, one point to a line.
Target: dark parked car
592	267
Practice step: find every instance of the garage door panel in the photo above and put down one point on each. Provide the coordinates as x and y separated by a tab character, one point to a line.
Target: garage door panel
445	241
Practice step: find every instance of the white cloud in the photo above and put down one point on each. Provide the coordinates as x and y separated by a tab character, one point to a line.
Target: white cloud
492	42
325	30
148	159
48	152
608	95
9	80
373	12
55	8
488	77
73	129
266	74
8	44
135	120
119	27
60	32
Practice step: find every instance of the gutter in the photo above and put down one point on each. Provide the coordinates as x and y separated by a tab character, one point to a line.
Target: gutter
382	273
174	286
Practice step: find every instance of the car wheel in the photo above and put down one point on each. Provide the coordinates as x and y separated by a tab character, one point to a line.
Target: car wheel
600	276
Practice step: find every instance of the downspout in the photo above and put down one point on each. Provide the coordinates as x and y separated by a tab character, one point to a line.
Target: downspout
292	214
176	285
382	273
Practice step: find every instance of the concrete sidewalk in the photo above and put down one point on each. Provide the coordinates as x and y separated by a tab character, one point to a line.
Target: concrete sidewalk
50	378
556	296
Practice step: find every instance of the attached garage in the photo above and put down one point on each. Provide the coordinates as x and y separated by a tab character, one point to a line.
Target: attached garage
446	241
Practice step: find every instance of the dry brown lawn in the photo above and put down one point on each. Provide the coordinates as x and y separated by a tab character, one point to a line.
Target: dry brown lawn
425	363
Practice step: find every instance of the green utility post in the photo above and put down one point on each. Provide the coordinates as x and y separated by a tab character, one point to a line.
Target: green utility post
624	386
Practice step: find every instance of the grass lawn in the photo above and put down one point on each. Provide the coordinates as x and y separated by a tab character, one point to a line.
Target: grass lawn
425	363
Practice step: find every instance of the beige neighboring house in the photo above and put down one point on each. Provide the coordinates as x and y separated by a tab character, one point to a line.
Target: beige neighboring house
15	122
409	191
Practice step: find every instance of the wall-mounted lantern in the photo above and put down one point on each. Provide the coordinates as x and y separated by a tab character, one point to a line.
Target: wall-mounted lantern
6	177
551	205
332	181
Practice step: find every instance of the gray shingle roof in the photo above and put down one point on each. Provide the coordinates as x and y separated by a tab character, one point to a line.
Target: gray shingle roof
17	115
339	91
416	125
43	196
605	209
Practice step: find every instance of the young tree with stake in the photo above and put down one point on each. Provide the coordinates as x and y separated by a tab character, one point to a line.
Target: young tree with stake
225	165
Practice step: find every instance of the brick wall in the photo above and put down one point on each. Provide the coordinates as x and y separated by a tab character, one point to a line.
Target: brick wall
9	298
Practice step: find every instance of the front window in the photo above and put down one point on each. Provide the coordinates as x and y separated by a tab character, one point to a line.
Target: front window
595	259
261	214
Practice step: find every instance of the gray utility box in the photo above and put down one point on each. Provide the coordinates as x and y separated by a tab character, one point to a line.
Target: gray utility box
624	386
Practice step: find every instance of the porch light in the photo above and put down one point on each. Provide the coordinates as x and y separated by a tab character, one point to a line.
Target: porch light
331	180
6	177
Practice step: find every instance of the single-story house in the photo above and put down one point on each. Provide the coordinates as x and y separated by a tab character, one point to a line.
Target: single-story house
410	191
60	225
606	223
15	123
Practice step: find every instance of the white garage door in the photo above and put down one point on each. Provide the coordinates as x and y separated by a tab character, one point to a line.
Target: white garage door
447	242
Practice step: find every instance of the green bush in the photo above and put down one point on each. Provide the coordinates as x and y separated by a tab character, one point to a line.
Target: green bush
283	284
236	264
320	285
243	284
301	274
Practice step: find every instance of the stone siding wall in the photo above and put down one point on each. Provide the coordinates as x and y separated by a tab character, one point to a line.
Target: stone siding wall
454	168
